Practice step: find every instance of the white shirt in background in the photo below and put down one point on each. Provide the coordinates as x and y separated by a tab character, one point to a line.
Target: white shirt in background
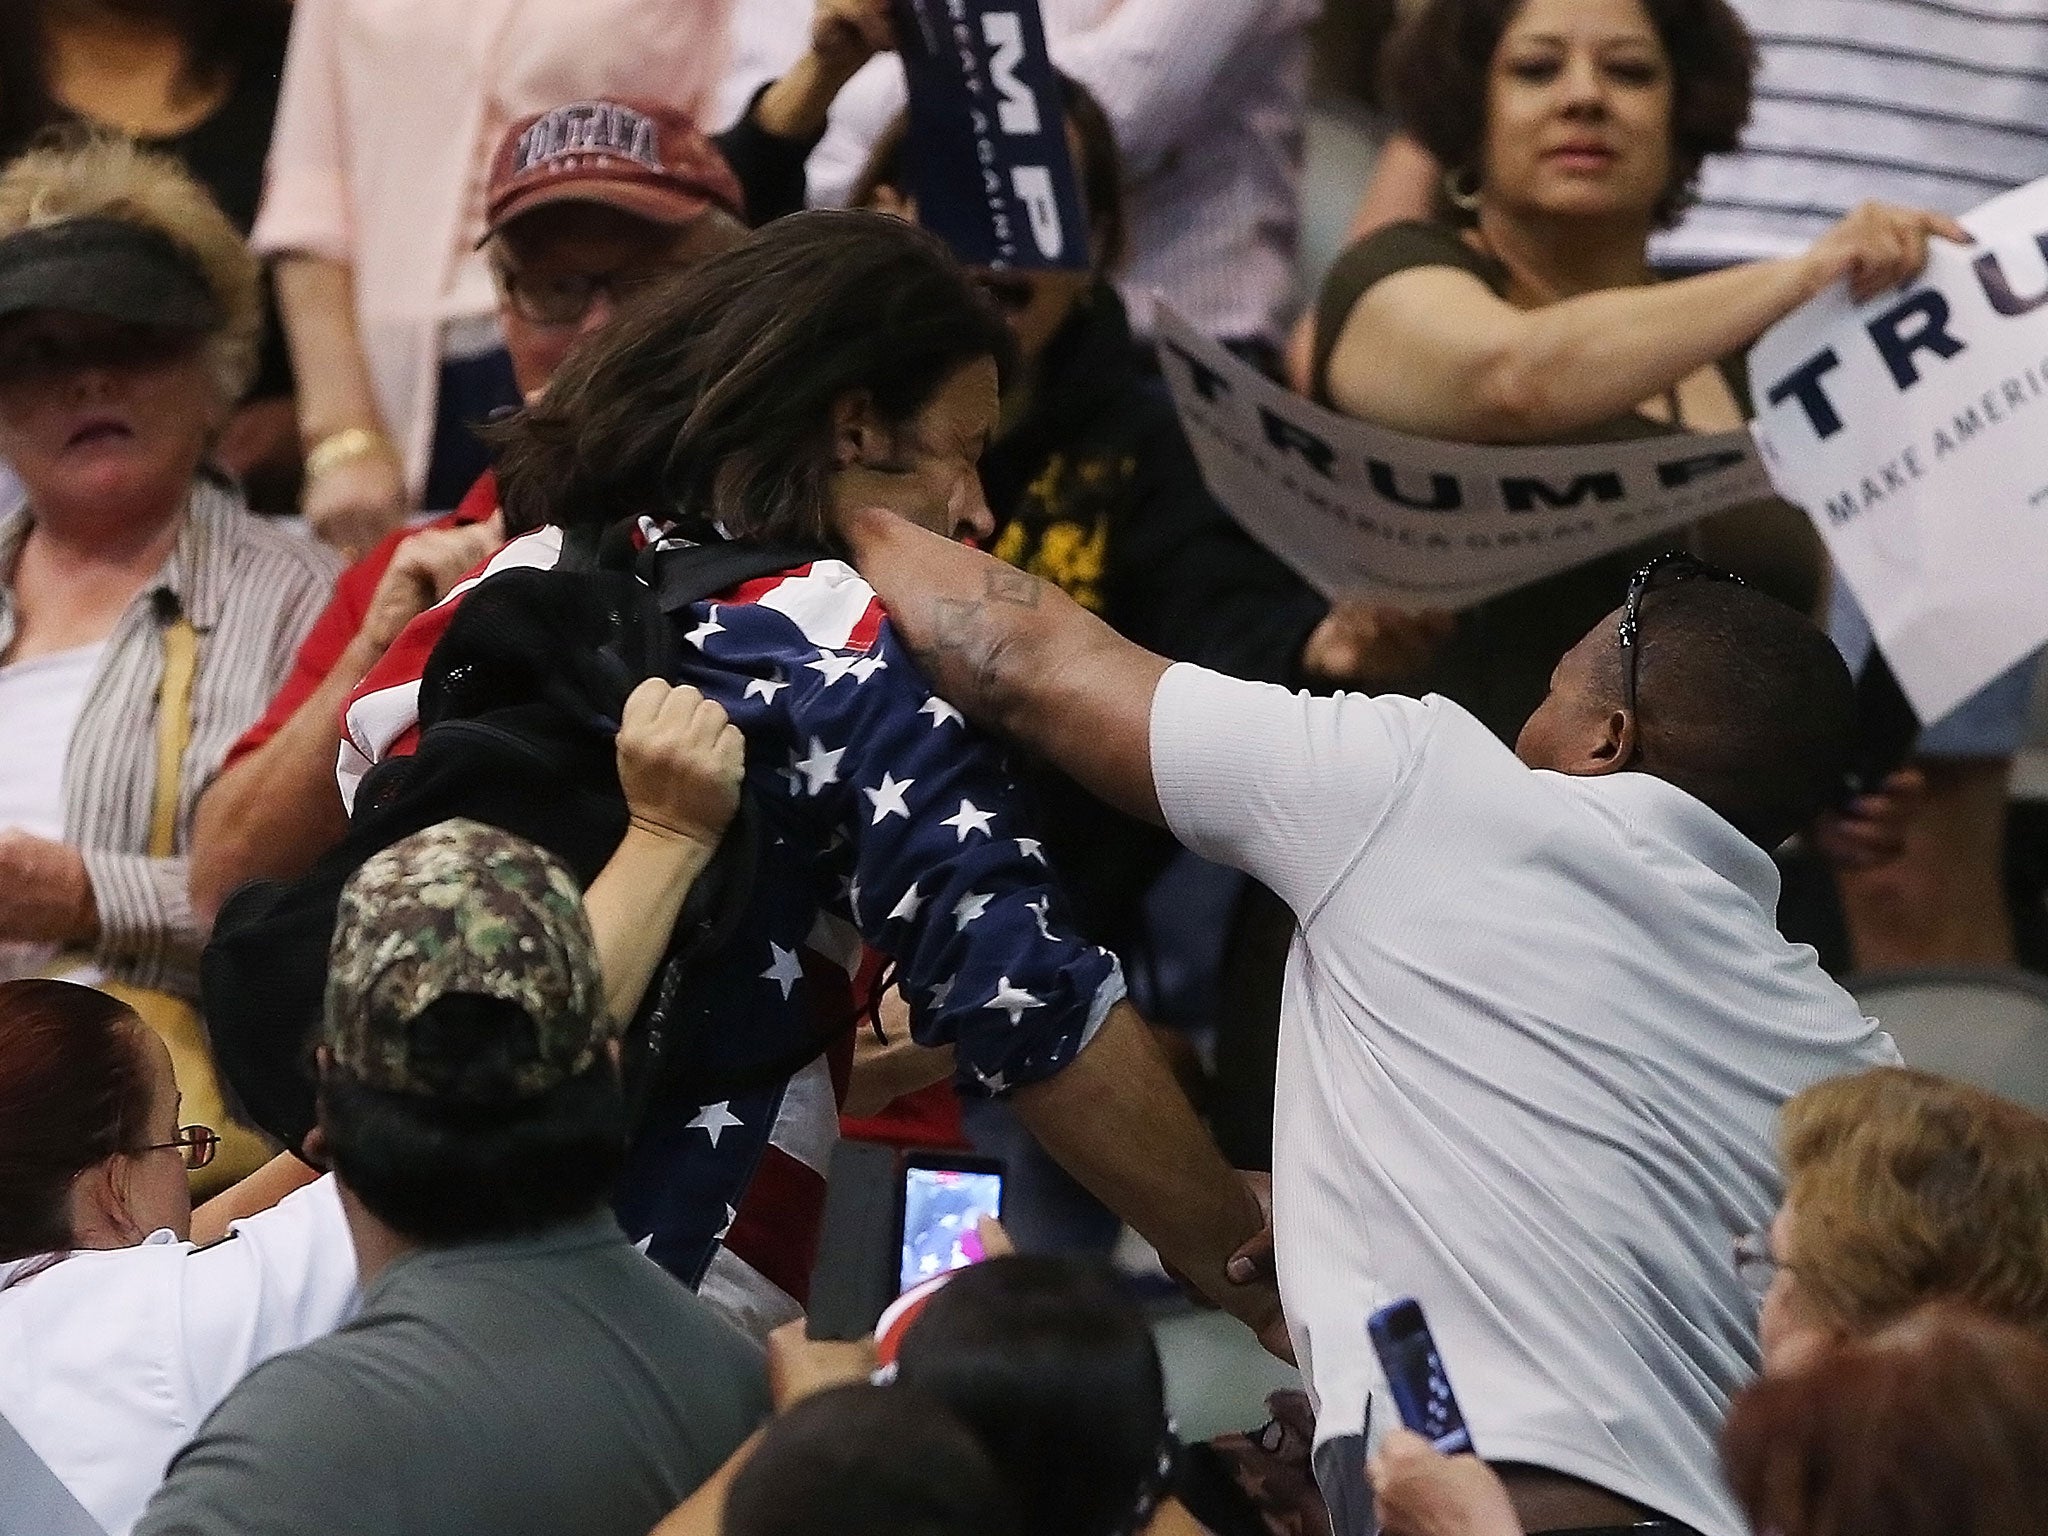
1208	99
40	702
1535	1036
111	1359
1936	104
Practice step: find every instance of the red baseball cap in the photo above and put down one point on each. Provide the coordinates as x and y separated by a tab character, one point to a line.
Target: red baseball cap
639	158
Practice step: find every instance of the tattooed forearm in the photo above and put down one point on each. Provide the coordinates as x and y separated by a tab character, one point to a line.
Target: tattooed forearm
966	644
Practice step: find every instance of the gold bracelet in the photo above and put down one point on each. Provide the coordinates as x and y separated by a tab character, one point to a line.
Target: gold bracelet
346	447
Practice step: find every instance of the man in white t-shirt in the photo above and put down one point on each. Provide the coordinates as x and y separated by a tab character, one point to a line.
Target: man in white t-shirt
1538	1020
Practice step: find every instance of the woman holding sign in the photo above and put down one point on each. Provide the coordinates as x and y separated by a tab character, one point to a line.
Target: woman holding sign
1527	311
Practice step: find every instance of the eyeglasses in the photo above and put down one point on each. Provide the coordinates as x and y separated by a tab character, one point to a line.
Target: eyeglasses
1755	1265
564	300
197	1142
1666	570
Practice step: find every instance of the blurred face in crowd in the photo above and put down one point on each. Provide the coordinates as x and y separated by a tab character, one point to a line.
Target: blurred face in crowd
563	269
135	1193
1792	1327
1035	303
928	469
101	418
1579	111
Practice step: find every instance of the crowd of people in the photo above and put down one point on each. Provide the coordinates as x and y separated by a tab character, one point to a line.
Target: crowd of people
560	653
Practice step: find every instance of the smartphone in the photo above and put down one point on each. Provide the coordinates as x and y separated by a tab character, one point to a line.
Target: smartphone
941	1199
1416	1376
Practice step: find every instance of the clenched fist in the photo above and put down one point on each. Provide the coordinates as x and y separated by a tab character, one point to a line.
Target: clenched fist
680	762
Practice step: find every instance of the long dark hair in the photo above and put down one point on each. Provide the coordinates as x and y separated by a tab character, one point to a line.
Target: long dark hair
710	399
74	1091
218	35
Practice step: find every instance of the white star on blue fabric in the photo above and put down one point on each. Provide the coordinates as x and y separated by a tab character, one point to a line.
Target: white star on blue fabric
834	666
820	768
907	909
1014	1001
941	712
731	1216
971	818
706	630
786	971
1031	848
942	994
1042	910
714	1120
644	1244
888	800
994	1082
867	667
969	907
765	689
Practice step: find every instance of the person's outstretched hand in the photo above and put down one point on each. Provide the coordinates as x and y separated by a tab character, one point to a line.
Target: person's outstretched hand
1422	1492
680	762
1877	246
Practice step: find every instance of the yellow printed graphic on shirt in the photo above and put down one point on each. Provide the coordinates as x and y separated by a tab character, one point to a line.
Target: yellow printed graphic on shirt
1060	531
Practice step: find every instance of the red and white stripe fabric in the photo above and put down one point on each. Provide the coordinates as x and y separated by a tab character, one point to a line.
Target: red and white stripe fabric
382	716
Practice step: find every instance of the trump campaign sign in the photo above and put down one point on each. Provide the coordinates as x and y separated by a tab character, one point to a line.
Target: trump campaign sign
986	156
1363	512
1914	430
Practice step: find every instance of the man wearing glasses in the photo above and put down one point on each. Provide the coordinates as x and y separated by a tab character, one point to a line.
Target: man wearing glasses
585	204
1538	1020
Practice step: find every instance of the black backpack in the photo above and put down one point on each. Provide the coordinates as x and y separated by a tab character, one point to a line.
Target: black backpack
519	707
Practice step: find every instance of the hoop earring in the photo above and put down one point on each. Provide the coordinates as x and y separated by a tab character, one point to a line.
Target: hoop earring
1456	194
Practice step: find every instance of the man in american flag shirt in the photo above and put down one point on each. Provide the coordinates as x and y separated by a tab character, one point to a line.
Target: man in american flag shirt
889	827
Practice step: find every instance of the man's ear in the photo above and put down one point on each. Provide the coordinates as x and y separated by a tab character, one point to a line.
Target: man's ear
857	434
1613	749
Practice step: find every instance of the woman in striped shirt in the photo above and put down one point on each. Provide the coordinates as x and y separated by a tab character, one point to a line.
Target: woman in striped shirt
145	615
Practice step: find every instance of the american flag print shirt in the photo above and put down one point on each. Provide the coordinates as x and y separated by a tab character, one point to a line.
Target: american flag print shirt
891	829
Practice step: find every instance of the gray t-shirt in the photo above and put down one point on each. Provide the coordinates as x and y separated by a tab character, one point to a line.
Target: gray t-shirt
562	1382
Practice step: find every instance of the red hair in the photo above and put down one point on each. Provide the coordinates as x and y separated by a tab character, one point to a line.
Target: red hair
74	1091
1934	1426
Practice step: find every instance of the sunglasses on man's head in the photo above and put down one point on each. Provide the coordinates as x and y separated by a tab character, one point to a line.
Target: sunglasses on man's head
1665	571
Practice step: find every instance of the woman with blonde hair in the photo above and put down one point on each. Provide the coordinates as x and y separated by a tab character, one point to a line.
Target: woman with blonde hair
145	615
1902	1188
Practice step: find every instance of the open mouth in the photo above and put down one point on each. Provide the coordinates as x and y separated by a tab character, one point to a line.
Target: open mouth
100	430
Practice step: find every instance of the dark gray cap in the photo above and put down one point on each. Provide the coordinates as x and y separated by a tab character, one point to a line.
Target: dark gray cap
107	267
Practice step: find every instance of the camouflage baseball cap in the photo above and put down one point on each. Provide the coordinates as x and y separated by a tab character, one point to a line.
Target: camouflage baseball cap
462	907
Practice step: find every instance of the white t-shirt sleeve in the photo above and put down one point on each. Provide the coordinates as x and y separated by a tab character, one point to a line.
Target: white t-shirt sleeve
283	1278
1284	786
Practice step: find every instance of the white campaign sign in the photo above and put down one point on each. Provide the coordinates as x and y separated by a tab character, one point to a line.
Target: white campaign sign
1359	511
1914	430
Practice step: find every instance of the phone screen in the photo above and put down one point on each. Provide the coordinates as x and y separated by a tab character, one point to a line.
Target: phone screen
1417	1379
941	1209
